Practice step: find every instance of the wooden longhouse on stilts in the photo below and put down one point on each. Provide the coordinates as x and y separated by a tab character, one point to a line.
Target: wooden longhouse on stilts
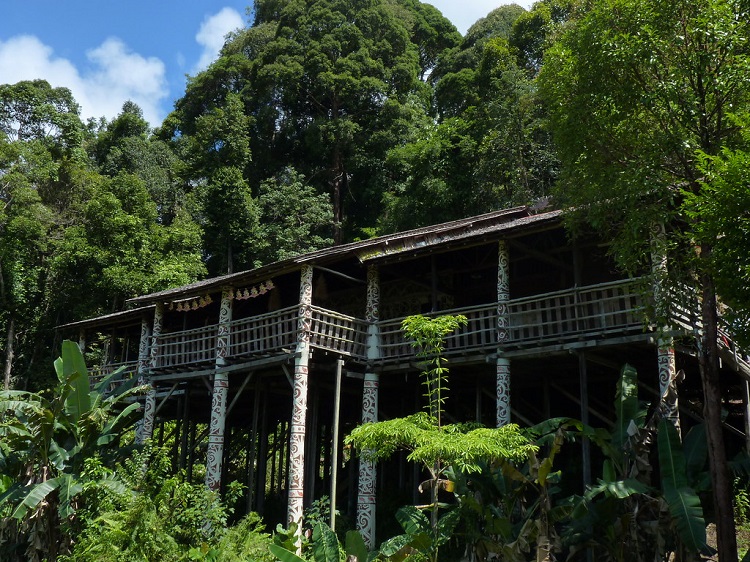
261	373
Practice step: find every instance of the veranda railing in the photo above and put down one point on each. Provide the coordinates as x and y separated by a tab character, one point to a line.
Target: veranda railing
551	317
574	313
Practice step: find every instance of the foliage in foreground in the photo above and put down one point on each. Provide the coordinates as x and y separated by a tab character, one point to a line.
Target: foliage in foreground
431	443
54	453
170	519
166	518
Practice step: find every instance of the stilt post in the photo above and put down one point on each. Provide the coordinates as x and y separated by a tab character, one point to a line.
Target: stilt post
503	334
296	502
147	427
665	345
366	490
215	450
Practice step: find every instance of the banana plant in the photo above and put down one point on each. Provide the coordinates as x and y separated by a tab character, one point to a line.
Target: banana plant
628	515
682	500
49	438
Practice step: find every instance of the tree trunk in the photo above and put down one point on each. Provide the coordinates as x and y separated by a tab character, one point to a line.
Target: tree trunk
7	368
339	177
709	366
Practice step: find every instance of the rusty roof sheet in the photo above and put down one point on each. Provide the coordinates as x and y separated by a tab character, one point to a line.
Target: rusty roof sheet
116	318
506	221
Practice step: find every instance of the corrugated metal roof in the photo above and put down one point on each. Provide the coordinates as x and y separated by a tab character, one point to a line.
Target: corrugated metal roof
114	319
506	221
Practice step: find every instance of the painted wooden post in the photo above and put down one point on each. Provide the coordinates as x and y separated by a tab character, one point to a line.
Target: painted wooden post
215	450
150	407
296	502
144	361
665	344
503	334
366	492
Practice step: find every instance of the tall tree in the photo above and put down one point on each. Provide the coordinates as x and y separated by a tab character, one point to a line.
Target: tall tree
488	149
327	87
117	249
126	145
638	91
25	226
294	219
75	242
41	139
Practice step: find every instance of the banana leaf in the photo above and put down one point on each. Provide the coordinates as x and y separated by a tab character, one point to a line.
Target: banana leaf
325	544
283	554
71	370
684	504
356	547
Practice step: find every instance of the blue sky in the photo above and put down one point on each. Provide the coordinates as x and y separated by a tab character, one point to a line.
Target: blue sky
110	51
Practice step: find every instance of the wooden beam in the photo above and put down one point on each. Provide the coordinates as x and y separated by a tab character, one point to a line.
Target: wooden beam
239	392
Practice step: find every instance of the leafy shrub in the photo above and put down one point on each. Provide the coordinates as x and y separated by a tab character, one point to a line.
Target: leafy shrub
168	519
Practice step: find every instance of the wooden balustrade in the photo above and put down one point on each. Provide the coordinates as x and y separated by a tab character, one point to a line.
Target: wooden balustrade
575	313
552	317
129	369
194	348
263	334
560	316
479	333
338	332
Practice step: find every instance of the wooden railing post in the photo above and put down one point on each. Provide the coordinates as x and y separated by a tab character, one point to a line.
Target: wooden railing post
366	492
215	450
503	335
296	501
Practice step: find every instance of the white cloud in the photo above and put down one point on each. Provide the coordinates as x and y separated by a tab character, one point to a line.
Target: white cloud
465	14
211	35
115	76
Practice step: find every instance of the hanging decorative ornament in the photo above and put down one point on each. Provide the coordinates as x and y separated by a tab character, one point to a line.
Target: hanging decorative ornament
246	294
239	295
253	292
270	285
209	300
171	306
201	302
230	296
179	307
262	289
195	305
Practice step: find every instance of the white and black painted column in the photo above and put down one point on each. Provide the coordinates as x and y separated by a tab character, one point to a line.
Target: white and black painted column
366	493
296	502
144	361
150	407
665	343
503	334
215	450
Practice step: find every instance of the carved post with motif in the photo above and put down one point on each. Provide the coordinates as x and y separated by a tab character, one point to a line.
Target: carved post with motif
215	450
665	345
503	334
150	407
366	494
296	500
144	360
